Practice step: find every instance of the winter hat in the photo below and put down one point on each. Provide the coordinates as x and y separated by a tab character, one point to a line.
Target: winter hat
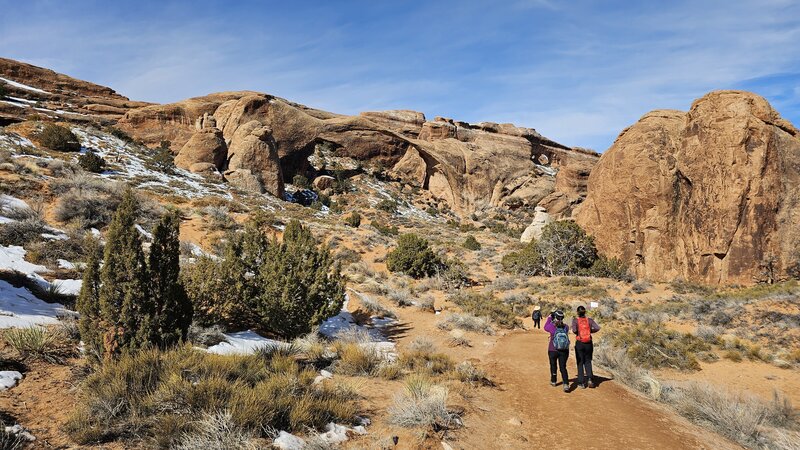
559	315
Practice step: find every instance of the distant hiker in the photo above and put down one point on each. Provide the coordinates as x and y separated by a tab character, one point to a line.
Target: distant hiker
537	317
583	327
558	347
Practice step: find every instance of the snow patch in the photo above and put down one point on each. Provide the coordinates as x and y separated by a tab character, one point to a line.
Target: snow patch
23	86
69	287
8	379
13	258
242	343
21	309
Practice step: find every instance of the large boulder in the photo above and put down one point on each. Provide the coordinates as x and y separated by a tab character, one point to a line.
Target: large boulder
253	162
535	229
205	146
704	196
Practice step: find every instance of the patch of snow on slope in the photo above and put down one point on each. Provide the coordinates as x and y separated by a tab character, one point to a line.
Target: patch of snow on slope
23	86
69	287
242	343
19	308
8	379
13	258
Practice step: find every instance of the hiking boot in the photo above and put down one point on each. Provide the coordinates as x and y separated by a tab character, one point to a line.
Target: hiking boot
584	386
566	387
553	383
591	384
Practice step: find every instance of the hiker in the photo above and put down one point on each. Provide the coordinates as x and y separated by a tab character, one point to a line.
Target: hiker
537	317
558	347
583	327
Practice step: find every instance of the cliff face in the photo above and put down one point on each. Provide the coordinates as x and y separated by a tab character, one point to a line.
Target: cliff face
705	195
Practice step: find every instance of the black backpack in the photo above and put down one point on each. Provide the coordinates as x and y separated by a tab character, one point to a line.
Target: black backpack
537	315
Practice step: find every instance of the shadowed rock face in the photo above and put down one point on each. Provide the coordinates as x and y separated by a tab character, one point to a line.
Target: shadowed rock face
704	195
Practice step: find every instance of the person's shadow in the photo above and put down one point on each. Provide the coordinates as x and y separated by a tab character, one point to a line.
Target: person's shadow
598	380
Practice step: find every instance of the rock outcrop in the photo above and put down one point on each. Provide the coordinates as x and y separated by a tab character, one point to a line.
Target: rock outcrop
534	231
253	162
467	167
704	196
205	146
57	96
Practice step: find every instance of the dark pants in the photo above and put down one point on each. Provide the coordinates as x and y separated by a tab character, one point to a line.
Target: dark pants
559	356
537	322
583	354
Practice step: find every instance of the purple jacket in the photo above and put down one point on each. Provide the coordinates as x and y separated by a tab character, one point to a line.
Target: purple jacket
550	327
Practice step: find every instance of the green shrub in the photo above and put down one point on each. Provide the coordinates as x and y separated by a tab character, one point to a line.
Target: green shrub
527	262
294	284
565	249
130	304
486	305
353	220
613	268
162	158
388	205
56	137
470	243
91	162
385	230
652	346
414	257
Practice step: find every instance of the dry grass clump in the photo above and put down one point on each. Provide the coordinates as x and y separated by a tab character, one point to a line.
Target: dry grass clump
422	358
466	372
156	396
373	308
216	431
357	359
205	336
36	342
626	370
401	298
746	419
426	303
486	305
423	404
457	339
652	345
466	322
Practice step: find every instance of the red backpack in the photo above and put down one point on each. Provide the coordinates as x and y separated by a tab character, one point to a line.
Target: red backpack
584	330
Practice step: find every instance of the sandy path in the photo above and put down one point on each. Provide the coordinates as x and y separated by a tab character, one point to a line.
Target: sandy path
609	416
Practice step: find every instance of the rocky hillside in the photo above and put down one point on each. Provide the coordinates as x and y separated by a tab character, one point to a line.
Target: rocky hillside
710	195
34	91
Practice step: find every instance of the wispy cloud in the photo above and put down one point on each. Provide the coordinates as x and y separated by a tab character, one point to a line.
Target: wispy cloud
578	72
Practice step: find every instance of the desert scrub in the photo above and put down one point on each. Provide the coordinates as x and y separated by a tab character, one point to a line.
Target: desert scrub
466	322
470	243
422	358
652	345
613	268
353	220
626	370
216	431
486	305
134	396
414	257
386	230
423	404
374	308
92	162
746	419
56	137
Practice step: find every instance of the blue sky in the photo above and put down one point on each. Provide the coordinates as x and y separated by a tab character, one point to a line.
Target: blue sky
579	72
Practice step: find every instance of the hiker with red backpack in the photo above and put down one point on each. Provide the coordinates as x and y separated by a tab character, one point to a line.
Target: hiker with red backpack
558	347
583	327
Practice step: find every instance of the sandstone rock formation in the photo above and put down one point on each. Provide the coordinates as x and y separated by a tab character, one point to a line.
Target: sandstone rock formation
253	160
534	230
205	146
468	167
704	195
58	96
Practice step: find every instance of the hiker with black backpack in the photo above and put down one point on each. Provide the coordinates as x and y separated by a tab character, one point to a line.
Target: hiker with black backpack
537	317
583	327
558	347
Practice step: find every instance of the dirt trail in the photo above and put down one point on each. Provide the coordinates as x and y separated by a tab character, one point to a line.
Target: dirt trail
609	416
